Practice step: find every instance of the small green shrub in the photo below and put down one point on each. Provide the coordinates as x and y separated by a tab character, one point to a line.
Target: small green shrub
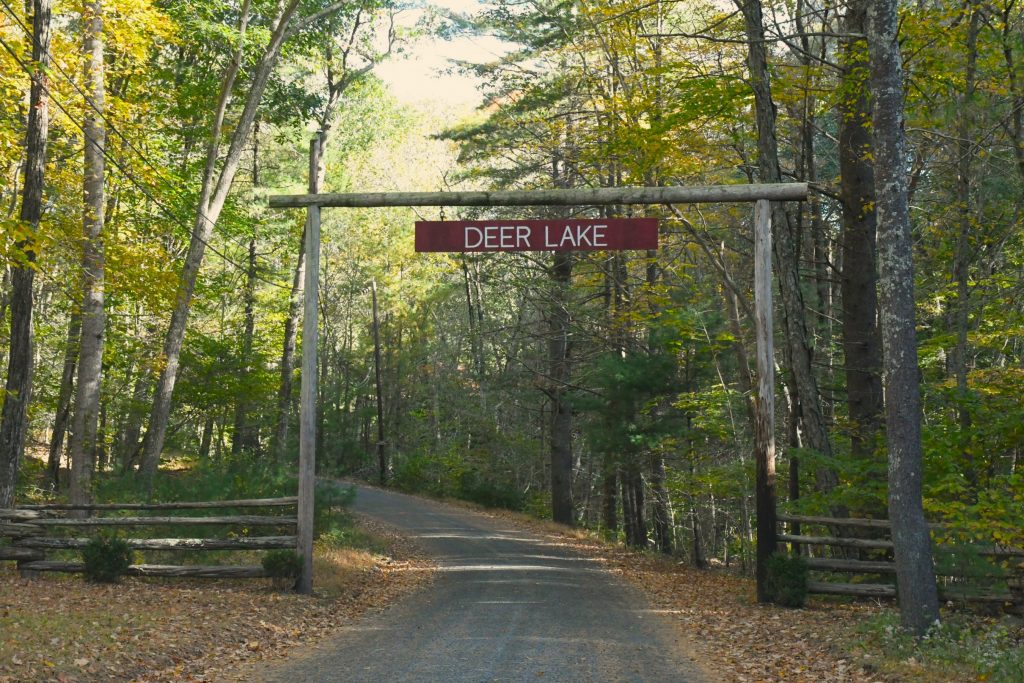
786	583
106	558
283	566
330	501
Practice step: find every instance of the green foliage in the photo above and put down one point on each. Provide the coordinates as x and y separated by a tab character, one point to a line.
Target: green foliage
786	583
487	491
964	646
106	558
450	475
231	478
343	533
972	573
282	564
330	499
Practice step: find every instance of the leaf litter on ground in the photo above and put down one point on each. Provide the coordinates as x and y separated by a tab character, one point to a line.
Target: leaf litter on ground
60	628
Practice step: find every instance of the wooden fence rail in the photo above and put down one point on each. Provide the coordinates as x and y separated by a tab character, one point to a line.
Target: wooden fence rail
28	531
955	588
288	501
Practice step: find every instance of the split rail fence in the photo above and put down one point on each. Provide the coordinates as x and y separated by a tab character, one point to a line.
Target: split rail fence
966	572
31	533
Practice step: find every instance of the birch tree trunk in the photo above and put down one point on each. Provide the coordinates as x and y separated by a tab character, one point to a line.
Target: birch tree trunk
915	574
18	387
215	188
82	444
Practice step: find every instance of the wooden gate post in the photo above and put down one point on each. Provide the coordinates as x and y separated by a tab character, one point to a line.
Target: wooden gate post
764	417
308	392
763	194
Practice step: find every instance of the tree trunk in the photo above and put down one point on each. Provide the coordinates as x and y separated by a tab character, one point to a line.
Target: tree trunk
699	560
609	496
633	506
100	453
136	412
291	333
862	345
211	201
662	505
206	439
242	438
798	339
915	574
663	525
1009	39
82	444
382	454
67	385
962	256
18	387
559	350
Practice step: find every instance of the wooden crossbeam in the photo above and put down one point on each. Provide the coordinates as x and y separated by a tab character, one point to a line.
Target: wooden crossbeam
601	196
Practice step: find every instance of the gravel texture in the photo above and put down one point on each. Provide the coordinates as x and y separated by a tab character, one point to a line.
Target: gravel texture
506	605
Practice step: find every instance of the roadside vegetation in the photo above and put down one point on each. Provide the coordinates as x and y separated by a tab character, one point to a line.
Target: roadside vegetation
66	628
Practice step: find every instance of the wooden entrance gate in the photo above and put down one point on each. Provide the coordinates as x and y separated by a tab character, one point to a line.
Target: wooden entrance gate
762	195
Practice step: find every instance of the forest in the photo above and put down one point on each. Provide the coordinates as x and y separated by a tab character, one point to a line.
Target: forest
150	310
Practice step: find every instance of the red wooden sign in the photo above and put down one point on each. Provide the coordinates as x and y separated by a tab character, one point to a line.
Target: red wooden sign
556	234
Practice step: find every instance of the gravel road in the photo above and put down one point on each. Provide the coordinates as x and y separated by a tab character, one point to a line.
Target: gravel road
507	605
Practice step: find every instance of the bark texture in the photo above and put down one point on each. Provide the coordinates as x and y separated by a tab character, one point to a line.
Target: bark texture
291	334
962	258
244	437
915	575
559	349
214	193
82	444
862	344
18	387
67	386
798	340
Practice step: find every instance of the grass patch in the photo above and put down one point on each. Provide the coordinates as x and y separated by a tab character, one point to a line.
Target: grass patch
962	647
342	553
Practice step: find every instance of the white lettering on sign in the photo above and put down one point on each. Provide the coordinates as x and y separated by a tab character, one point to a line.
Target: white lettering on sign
558	236
522	237
479	236
497	237
577	236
